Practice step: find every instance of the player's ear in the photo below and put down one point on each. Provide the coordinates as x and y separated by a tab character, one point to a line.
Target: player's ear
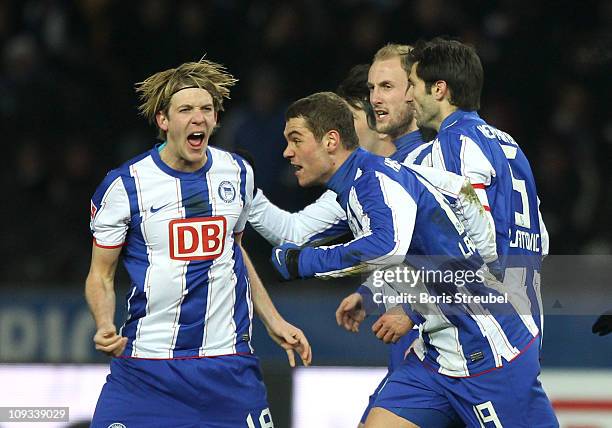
440	90
162	120
332	140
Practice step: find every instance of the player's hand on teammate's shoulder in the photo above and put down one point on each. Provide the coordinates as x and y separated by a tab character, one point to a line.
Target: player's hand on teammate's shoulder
108	341
350	312
291	339
392	325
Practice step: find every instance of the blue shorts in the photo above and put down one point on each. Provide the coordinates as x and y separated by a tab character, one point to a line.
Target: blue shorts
511	396
373	397
396	358
216	392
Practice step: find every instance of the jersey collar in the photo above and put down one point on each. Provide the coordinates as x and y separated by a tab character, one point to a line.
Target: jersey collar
456	116
345	175
406	144
180	174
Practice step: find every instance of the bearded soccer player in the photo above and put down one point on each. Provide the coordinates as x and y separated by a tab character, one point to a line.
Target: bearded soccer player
384	85
472	347
183	357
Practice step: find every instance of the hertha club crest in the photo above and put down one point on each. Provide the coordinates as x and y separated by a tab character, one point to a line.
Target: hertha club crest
227	192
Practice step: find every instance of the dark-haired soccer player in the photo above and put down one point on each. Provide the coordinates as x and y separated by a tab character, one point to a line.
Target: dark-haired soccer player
475	339
446	82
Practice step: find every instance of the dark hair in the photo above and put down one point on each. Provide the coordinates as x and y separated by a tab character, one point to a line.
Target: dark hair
323	112
354	90
455	63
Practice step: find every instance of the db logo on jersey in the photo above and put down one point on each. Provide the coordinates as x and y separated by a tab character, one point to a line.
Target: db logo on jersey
197	238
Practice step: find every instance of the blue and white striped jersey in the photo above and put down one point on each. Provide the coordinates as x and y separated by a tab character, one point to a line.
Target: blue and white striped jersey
412	150
325	217
397	217
189	295
502	177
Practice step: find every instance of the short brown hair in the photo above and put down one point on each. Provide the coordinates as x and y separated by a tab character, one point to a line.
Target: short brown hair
156	91
323	112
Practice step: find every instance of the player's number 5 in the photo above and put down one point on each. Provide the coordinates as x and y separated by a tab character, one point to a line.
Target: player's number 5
520	218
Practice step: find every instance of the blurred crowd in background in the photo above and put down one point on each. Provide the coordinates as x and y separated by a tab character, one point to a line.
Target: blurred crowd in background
68	109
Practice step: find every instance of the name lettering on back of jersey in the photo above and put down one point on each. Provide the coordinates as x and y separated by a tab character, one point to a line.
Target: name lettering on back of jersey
468	247
527	241
197	238
394	165
494	133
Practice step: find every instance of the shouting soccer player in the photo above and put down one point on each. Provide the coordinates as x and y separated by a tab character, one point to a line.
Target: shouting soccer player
177	212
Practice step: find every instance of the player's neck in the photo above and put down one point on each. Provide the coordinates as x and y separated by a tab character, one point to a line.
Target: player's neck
380	144
411	128
337	161
446	109
383	146
174	160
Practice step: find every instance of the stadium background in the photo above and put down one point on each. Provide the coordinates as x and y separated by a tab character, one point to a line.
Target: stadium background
68	115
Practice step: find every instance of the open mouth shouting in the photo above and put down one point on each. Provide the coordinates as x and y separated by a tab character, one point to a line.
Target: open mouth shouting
195	139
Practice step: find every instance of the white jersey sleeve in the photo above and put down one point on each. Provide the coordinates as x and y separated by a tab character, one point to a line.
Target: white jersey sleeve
110	213
279	226
459	154
248	197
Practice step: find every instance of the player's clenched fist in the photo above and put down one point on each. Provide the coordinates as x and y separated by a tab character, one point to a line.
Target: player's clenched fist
108	341
350	312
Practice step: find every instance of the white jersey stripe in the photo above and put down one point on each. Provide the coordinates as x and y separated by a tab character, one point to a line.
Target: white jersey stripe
403	217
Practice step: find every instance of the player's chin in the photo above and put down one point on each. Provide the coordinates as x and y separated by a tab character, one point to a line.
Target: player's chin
305	181
195	154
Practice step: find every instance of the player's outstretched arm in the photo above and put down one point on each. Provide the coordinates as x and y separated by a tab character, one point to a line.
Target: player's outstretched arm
286	335
100	295
390	215
322	218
